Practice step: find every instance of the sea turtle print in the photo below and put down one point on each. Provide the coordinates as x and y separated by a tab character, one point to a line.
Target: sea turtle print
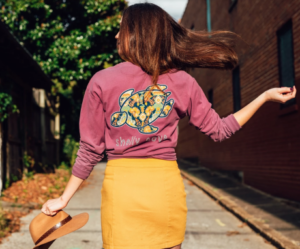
139	110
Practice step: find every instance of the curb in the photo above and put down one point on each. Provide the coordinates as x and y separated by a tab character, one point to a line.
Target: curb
265	230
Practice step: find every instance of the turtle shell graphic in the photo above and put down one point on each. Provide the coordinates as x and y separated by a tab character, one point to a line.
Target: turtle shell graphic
139	110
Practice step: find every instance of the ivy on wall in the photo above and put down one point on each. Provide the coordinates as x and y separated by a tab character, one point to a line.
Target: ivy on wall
6	106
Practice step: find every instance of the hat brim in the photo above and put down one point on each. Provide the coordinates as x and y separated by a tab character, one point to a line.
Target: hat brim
77	222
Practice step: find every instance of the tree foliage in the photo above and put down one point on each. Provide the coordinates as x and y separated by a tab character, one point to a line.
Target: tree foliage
70	39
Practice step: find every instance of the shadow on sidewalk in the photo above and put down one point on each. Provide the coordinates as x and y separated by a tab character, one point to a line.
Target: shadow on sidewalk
269	209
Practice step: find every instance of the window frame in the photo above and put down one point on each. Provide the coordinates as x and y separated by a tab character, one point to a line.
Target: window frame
236	89
287	26
210	95
232	5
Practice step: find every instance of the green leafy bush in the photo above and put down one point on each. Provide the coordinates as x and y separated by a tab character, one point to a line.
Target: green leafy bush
6	106
71	41
70	149
28	162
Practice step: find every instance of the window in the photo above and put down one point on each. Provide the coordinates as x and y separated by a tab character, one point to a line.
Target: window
193	27
236	89
211	97
286	58
232	5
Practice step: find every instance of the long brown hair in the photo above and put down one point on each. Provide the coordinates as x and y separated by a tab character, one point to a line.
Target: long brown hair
150	38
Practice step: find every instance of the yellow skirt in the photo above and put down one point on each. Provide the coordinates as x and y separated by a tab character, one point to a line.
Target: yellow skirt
143	204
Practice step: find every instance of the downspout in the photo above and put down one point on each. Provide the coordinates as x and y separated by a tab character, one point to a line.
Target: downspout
208	15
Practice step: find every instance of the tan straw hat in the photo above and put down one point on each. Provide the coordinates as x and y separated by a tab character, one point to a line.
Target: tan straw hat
45	228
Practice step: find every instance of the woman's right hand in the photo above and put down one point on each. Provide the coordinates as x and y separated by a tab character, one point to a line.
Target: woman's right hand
51	207
280	94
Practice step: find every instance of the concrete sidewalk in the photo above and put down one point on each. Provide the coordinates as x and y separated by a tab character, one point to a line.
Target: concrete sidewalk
271	216
209	226
87	200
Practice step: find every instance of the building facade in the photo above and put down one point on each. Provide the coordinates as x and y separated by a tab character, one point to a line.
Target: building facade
266	151
29	138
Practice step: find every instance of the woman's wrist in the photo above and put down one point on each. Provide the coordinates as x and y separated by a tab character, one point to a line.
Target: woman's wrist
265	96
64	200
71	188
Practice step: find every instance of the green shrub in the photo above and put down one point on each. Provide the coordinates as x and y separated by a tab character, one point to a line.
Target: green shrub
28	162
70	149
6	106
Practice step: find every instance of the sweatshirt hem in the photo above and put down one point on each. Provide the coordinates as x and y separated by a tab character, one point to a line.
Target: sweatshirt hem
233	124
79	174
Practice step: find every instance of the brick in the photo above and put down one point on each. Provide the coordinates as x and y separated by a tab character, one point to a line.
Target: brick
267	147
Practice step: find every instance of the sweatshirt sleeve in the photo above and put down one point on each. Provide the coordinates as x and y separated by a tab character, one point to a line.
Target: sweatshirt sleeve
92	127
204	118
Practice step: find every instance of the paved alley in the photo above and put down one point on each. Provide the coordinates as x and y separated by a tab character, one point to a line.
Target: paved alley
209	226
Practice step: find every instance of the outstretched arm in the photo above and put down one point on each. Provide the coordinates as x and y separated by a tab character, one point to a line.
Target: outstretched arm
92	125
280	95
205	118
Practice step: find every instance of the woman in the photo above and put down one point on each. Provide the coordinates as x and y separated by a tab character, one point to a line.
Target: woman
132	110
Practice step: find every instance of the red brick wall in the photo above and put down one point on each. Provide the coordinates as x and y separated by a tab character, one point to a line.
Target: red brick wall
267	148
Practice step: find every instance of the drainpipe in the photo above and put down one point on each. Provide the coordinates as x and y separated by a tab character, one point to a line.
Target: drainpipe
208	15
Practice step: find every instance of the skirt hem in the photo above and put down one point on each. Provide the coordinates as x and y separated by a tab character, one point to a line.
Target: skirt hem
160	246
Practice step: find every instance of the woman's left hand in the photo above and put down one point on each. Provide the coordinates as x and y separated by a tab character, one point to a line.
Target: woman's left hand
280	94
51	207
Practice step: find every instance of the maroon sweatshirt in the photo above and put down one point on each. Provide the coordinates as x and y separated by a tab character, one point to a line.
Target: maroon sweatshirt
123	115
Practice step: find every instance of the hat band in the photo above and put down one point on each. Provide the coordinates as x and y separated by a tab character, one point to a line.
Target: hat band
52	229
